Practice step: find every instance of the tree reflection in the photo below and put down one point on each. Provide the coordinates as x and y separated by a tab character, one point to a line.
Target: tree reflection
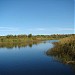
17	44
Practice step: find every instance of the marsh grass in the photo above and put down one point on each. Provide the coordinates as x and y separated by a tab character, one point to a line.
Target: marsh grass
64	50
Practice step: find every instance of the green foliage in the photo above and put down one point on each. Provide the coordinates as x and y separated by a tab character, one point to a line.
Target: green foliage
30	35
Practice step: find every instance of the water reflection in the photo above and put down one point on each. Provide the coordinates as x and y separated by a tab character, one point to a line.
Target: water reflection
18	44
30	60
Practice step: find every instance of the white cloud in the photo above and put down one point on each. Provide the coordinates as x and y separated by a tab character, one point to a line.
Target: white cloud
51	29
66	29
40	29
8	29
36	29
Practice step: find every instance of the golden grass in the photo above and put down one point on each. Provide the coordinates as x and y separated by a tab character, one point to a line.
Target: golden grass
64	49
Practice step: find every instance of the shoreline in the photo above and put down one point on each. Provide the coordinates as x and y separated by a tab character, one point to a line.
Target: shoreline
64	50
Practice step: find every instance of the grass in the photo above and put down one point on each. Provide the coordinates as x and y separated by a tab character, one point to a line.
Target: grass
64	50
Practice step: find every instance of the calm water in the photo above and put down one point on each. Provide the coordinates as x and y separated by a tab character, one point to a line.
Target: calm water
31	60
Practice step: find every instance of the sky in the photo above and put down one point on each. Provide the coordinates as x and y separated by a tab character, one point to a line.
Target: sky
37	17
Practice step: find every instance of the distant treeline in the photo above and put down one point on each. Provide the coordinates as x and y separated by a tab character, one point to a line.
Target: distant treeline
32	37
11	41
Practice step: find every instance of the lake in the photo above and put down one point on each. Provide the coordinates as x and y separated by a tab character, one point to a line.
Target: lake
31	60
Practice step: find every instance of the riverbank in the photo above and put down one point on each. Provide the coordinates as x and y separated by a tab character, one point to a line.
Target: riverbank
31	38
64	50
10	41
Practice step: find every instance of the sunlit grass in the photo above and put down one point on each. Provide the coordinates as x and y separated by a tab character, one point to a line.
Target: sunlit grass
64	50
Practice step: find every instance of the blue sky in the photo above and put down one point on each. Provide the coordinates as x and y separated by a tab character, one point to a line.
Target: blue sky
36	17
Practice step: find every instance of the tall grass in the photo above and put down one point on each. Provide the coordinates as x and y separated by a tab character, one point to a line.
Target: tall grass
64	50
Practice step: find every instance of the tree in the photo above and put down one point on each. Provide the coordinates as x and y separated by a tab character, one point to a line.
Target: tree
30	35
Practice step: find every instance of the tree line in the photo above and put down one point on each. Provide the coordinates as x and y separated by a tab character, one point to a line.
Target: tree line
23	37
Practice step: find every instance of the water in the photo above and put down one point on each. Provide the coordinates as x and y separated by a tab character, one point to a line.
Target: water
31	60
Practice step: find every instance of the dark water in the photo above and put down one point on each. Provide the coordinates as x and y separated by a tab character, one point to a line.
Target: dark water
31	60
